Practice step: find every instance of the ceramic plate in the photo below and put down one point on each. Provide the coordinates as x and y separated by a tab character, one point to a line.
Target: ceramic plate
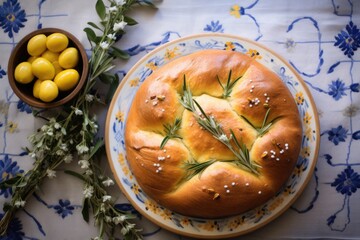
216	228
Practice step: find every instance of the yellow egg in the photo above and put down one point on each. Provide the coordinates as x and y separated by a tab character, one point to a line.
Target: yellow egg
36	88
57	67
67	79
51	56
48	91
31	59
43	69
69	58
57	42
37	45
23	73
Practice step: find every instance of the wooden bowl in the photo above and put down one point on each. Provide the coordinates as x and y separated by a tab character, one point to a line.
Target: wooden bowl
25	91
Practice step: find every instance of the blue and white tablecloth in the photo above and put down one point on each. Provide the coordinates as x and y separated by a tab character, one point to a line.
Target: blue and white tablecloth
319	39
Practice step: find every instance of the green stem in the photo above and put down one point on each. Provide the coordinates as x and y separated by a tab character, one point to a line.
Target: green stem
5	221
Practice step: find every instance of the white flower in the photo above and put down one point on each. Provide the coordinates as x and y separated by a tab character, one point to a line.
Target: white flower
63	147
52	120
102	208
119	26
50	132
50	173
88	191
89	97
118	220
82	149
113	9
78	112
84	164
104	45
120	2
93	126
111	36
88	172
127	228
106	198
223	138
60	152
57	126
19	203
68	158
108	182
108	219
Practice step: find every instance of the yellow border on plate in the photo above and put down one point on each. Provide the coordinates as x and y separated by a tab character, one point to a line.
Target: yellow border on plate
271	218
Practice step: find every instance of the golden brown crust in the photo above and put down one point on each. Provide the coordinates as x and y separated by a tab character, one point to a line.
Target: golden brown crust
223	189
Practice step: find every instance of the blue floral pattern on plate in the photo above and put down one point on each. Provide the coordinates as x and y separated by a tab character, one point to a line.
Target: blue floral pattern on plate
220	227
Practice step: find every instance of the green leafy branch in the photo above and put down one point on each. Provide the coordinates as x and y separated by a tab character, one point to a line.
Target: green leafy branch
71	132
113	20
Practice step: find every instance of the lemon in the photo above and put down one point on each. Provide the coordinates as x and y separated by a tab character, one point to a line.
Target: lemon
36	88
57	67
42	68
51	56
23	73
69	58
67	79
31	59
57	42
37	45
48	91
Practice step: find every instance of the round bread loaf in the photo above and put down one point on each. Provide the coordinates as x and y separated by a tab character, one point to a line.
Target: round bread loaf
194	172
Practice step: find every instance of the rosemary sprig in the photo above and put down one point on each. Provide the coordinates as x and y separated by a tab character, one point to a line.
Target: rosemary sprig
229	85
243	154
202	118
170	131
264	126
210	124
194	168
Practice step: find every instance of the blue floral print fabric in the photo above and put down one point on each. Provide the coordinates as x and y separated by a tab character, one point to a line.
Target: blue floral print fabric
319	39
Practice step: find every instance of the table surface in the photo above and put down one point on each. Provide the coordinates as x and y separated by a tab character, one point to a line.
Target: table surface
318	38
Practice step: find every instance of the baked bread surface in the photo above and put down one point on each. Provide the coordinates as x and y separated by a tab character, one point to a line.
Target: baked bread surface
222	189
